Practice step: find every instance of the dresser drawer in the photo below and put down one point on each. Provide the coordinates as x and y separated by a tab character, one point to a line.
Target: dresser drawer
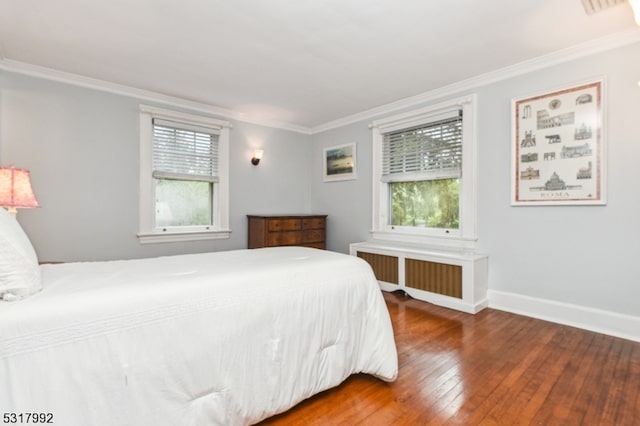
313	236
313	223
287	238
318	245
284	224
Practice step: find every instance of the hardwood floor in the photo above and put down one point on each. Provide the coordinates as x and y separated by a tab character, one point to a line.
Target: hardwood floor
492	368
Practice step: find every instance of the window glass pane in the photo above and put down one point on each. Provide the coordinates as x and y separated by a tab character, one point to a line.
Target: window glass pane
426	203
183	203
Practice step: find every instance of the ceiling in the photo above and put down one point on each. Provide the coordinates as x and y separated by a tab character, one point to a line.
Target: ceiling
300	62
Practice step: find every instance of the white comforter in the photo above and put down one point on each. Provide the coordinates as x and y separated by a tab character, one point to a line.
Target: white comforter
225	338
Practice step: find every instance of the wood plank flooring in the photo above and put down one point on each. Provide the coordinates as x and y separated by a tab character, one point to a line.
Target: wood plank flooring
492	368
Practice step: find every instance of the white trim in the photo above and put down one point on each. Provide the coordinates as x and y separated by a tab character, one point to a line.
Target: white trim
558	57
221	195
148	231
174	237
465	237
145	196
181	117
434	239
597	320
435	112
141	94
591	47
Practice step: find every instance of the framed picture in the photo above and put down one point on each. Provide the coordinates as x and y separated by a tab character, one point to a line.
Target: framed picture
340	162
558	148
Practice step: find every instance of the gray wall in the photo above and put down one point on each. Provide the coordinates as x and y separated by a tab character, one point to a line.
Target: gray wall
82	148
583	255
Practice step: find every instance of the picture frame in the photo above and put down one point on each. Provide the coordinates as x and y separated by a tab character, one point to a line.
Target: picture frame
339	162
558	148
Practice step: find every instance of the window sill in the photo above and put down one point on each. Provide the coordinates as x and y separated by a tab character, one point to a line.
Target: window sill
173	237
443	241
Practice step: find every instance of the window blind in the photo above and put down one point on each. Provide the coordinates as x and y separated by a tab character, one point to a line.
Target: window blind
183	151
427	151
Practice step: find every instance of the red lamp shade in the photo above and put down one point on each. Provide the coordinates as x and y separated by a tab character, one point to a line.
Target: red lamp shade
15	189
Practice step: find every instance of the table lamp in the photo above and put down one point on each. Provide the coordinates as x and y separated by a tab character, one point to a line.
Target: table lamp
15	190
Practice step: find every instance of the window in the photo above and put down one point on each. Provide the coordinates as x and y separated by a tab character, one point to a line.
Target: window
183	176
424	175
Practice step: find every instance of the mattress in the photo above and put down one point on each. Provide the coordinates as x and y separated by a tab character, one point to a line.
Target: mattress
226	338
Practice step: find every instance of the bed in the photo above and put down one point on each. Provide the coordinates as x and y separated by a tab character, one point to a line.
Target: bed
226	338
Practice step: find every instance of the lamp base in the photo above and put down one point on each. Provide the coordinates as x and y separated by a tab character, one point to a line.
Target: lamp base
12	211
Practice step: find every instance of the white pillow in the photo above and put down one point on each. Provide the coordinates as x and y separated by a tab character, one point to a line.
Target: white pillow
19	269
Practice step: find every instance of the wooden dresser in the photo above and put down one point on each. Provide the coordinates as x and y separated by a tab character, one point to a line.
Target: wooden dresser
307	230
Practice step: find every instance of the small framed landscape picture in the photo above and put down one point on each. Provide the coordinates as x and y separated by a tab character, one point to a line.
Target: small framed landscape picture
340	162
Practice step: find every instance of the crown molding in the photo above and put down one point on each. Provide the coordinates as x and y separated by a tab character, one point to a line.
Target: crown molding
564	55
144	95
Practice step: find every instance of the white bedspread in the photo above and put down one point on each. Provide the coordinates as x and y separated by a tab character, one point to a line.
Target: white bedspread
225	338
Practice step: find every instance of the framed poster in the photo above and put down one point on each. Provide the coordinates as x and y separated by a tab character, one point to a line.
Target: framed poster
558	147
340	162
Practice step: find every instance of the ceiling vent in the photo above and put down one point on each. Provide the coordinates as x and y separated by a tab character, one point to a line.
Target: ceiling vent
595	6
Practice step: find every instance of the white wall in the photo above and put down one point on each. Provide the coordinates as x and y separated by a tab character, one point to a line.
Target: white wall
82	148
585	256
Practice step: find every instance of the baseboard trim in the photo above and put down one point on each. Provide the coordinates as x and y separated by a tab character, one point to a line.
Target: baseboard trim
597	320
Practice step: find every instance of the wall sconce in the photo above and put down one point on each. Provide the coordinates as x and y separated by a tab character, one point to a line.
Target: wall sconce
15	190
257	156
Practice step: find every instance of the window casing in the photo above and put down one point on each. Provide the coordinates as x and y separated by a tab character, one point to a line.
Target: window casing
424	175
183	176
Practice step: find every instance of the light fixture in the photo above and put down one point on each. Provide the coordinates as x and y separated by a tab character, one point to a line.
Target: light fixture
257	156
635	6
15	190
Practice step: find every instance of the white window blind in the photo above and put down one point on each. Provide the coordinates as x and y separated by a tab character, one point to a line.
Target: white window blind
185	152
427	151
